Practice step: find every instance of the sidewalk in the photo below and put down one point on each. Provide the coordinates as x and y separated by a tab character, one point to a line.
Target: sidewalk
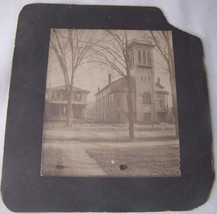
69	161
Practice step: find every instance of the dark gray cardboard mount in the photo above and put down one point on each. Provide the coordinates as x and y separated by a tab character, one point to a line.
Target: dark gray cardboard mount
24	190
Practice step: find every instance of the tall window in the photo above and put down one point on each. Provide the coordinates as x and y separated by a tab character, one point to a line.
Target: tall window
139	56
144	57
64	96
148	79
103	102
146	98
161	103
108	102
100	103
63	110
118	102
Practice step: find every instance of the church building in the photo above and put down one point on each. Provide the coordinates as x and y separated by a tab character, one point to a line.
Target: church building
150	100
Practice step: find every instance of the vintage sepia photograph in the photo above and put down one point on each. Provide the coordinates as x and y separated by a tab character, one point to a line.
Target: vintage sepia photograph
110	105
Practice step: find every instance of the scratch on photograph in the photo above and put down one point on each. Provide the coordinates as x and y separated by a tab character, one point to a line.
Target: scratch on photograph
110	105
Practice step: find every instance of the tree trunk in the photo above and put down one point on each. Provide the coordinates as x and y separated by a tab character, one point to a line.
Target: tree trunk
69	118
130	109
175	113
168	56
174	106
69	110
171	67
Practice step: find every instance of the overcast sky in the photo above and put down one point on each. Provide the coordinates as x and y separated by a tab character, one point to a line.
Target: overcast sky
90	76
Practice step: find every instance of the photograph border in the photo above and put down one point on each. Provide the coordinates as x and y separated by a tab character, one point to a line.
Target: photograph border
23	189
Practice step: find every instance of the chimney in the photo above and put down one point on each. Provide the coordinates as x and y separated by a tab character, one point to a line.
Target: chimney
158	80
109	79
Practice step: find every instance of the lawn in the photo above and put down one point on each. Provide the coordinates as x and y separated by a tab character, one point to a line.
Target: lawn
156	160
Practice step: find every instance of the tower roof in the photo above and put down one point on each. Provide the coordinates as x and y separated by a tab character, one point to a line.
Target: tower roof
139	44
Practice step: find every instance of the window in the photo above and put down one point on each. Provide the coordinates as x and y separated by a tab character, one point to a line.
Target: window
103	103
141	78
161	103
144	57
108	102
139	57
57	109
64	110
118	102
99	104
64	96
148	79
111	104
55	96
146	98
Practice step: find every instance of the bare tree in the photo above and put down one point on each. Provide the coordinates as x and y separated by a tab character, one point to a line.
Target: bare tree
71	48
163	43
116	56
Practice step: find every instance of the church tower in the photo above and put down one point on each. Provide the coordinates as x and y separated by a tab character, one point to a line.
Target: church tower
142	70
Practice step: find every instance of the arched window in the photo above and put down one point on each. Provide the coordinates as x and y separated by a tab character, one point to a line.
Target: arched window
146	98
139	57
144	58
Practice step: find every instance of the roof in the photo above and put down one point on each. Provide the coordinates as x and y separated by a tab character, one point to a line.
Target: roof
117	85
63	88
122	84
140	43
64	102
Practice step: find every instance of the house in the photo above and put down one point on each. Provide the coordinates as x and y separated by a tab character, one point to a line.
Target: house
150	100
56	104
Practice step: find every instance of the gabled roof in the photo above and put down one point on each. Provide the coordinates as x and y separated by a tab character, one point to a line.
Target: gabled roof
63	88
118	85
